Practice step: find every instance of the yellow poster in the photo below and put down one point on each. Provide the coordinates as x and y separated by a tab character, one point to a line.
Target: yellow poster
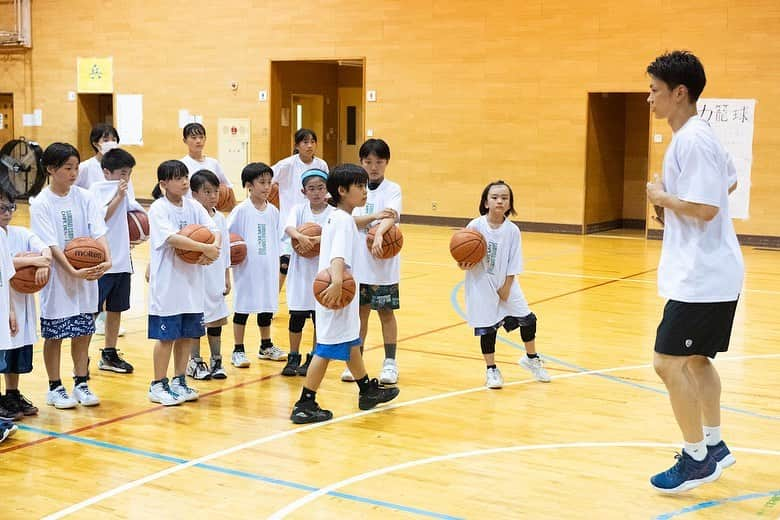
95	75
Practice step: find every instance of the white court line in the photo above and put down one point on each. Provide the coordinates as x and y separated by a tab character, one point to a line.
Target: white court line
280	435
293	506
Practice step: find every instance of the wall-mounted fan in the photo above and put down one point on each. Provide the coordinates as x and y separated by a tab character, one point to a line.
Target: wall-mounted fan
20	163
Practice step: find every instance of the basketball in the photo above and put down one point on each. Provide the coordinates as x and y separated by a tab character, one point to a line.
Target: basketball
392	241
138	226
84	252
24	279
227	198
197	233
237	249
273	196
322	281
468	245
310	229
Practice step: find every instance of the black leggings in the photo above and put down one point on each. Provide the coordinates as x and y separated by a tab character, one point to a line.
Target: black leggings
263	319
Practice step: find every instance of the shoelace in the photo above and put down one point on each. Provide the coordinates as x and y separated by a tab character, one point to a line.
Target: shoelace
62	393
201	365
85	389
216	364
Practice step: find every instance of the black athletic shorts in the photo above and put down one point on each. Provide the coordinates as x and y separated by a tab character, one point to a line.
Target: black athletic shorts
689	329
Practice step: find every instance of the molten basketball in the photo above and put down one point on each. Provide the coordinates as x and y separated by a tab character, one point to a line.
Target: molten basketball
138	226
197	233
273	196
392	241
310	229
322	282
237	249
227	199
468	245
84	252
24	279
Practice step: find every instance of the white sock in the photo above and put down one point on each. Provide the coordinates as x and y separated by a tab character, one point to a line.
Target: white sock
697	450
712	435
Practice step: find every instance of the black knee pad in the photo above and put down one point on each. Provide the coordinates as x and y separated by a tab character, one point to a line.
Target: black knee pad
264	319
240	319
284	264
297	321
487	343
528	327
214	331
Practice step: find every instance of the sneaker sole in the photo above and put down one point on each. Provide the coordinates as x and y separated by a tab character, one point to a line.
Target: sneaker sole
118	370
388	381
727	461
59	407
218	376
494	387
89	404
172	403
349	379
241	365
269	358
9	432
691	484
309	420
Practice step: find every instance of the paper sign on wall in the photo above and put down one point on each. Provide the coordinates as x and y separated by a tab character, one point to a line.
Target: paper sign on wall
130	118
95	75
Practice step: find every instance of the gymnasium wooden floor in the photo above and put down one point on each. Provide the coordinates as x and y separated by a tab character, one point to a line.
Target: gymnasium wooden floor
582	446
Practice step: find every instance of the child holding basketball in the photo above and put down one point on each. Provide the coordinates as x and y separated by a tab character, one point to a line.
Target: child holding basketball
8	324
18	359
255	279
176	288
287	175
338	330
300	298
493	298
205	190
60	213
194	136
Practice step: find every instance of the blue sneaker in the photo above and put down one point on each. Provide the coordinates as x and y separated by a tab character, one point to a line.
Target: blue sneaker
7	429
686	474
722	455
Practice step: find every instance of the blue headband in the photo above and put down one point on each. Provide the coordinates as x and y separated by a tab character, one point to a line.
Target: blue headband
314	172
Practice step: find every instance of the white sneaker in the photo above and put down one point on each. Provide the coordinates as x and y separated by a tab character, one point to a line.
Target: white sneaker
347	376
197	369
273	353
59	398
179	386
162	393
389	373
494	378
84	395
100	326
536	367
239	359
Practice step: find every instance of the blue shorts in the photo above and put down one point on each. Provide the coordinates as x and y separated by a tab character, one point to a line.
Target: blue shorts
17	360
171	328
339	351
114	292
70	327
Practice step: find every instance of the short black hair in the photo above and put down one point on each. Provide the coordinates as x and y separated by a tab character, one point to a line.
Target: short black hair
377	147
344	176
203	177
100	131
168	171
254	170
57	154
117	159
193	129
483	210
680	68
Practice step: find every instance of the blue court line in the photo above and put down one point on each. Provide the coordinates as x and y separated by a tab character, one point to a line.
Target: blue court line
235	473
716	503
609	377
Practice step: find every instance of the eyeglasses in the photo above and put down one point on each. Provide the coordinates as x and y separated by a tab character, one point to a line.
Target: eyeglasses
7	208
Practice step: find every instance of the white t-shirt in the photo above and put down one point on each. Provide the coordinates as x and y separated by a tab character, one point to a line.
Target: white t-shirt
216	307
6	273
256	279
208	163
56	221
175	286
373	270
700	261
22	240
118	235
504	258
340	239
302	272
287	173
90	172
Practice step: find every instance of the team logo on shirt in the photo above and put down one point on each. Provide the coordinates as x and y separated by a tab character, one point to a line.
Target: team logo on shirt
67	224
688	343
490	257
182	224
262	240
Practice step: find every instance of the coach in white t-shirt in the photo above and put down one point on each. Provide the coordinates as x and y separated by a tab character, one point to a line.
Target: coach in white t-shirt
700	272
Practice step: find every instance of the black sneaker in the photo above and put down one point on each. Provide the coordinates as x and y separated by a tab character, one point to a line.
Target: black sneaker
376	394
293	361
305	412
24	404
8	410
111	361
304	369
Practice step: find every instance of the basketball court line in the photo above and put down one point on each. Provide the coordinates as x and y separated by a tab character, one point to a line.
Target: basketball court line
720	502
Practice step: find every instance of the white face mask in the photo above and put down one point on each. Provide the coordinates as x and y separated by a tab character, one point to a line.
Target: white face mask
108	145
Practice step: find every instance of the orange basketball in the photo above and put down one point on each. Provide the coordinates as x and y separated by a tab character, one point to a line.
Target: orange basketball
322	281
24	279
227	198
310	229
468	245
197	233
137	225
392	241
273	196
84	252
237	249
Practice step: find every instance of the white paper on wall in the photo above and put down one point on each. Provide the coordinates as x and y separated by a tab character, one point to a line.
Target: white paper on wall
130	118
